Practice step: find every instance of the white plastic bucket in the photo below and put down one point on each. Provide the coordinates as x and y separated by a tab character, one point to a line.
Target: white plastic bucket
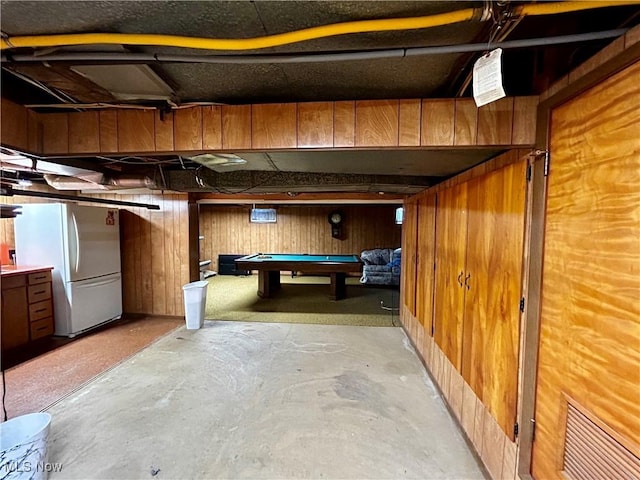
195	300
23	447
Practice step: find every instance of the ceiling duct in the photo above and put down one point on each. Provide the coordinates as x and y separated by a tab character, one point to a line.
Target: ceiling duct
66	177
15	161
252	181
63	182
102	182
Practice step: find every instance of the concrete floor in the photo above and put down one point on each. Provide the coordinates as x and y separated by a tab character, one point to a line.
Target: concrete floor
263	400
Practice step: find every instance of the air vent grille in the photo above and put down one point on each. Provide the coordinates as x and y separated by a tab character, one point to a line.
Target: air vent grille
590	453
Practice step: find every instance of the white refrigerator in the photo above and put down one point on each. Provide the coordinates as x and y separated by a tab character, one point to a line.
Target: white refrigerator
82	243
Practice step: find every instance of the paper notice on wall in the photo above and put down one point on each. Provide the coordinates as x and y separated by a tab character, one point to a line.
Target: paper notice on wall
487	78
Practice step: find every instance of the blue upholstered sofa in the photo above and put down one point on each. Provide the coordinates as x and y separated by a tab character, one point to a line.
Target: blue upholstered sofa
381	266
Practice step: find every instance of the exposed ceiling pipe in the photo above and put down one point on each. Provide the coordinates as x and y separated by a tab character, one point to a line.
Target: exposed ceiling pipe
133	58
8	191
323	31
105	182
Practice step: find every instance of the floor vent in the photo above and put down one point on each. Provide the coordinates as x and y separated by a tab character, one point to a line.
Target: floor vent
590	453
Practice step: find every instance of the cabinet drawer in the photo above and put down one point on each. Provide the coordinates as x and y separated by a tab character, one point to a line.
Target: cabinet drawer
13	281
40	277
40	310
39	292
42	328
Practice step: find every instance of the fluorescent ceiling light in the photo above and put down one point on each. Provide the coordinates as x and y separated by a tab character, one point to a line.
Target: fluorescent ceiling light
127	82
218	159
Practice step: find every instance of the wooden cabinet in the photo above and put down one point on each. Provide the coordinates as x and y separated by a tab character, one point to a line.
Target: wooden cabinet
478	280
426	260
451	250
493	280
15	313
27	307
409	256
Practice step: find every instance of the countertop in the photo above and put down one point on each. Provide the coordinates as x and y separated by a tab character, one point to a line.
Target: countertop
9	270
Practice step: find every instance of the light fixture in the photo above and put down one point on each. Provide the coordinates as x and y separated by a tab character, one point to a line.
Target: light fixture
218	159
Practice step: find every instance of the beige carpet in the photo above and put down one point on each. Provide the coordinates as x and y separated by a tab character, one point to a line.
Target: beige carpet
303	299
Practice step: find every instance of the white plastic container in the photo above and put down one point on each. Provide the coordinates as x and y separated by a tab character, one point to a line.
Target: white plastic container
195	300
23	447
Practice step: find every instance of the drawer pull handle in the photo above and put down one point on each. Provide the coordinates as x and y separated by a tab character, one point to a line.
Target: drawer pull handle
40	277
42	328
41	310
39	292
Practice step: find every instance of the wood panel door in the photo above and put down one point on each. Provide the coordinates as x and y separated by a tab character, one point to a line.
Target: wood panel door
426	244
493	280
409	256
589	353
451	247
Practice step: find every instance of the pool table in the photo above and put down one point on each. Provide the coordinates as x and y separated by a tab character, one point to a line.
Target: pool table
270	265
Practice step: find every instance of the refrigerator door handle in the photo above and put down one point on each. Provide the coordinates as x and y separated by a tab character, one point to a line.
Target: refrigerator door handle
77	238
103	282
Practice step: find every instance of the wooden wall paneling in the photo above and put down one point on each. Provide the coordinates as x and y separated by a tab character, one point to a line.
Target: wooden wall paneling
157	255
344	124
140	251
509	460
409	256
34	132
193	213
419	340
409	123
491	335
468	412
613	49
590	318
479	425
146	252
438	122
495	122
163	128
187	129
172	287
55	133
236	126
492	452
84	132
455	393
136	131
14	126
377	123
274	125
426	245
212	127
127	248
466	122
524	120
315	124
183	252
6	225
451	245
108	131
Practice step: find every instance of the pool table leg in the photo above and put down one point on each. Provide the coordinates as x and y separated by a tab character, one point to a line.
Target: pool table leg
268	282
338	287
